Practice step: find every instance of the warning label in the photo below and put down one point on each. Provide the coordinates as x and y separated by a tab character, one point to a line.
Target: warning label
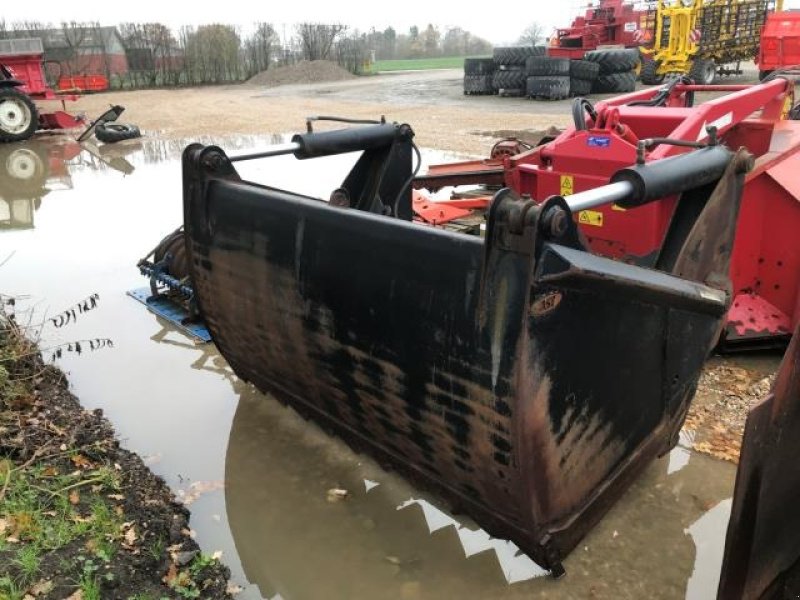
567	185
590	217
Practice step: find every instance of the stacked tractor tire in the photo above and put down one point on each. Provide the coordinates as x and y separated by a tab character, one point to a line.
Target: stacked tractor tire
511	68
527	71
617	70
479	76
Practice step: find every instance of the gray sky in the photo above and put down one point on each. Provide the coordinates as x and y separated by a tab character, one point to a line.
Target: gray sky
498	26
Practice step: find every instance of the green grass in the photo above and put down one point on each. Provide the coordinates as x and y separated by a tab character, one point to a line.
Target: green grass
419	64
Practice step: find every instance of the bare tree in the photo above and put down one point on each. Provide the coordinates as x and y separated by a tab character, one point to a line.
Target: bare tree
260	48
532	35
352	53
317	39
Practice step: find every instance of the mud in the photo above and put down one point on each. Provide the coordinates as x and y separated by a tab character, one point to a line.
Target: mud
114	529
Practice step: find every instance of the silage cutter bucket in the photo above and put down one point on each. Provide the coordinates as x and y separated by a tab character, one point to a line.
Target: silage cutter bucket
523	379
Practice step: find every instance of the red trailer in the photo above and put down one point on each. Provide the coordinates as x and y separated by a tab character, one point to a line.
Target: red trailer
652	125
22	81
780	42
611	23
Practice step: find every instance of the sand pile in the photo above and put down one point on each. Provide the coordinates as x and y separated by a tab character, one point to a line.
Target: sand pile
305	71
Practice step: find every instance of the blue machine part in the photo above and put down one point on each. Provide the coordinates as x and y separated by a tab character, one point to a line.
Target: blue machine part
172	312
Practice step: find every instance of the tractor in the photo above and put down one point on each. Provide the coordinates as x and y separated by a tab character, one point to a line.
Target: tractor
22	84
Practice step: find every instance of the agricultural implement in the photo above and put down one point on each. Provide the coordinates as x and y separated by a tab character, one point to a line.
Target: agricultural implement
610	23
780	43
704	38
22	84
475	365
652	125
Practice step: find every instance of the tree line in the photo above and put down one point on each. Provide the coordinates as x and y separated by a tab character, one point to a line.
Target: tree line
157	55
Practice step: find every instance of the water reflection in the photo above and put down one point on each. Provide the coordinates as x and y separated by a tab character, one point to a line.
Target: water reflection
32	170
389	541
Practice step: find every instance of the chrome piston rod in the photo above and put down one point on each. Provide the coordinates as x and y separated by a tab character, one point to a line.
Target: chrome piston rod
607	194
276	150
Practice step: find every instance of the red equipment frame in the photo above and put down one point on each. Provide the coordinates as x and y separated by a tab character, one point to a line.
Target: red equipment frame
613	22
766	260
780	42
27	67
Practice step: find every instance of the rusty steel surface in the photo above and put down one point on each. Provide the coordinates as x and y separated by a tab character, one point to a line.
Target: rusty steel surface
523	379
762	548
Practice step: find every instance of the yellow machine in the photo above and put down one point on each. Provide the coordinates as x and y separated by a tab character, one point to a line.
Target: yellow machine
704	38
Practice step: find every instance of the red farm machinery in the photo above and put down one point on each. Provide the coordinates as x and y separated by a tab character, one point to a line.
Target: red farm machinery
780	42
609	23
23	86
654	125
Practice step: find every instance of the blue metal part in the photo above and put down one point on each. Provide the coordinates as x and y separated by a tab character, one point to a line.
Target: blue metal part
166	308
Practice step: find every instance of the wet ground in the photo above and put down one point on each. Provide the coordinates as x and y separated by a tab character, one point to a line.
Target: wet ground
74	222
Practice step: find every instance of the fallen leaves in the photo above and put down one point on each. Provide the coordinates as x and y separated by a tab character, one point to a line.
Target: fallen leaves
337	495
80	461
74	497
42	588
197	489
233	589
129	535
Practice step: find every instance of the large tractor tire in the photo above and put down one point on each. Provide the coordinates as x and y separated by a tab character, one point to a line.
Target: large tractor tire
615	83
109	133
516	55
703	72
478	66
548	88
584	69
508	80
18	116
580	87
546	66
650	74
478	85
614	61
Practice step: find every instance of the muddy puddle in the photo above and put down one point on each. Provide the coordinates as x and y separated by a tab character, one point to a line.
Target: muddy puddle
74	222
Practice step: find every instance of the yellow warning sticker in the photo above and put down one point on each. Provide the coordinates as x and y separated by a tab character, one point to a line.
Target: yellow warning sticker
590	217
567	185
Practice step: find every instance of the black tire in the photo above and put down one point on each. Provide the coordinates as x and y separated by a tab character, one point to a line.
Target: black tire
650	74
614	61
19	118
585	70
516	55
703	72
511	93
615	83
509	80
580	87
548	88
478	66
110	133
537	66
478	85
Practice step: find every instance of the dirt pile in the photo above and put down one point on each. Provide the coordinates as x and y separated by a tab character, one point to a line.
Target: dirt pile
306	71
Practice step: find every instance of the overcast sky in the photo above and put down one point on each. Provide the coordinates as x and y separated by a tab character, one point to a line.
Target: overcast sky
499	22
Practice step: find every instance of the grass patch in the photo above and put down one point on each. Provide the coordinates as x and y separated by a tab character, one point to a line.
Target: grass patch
419	64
